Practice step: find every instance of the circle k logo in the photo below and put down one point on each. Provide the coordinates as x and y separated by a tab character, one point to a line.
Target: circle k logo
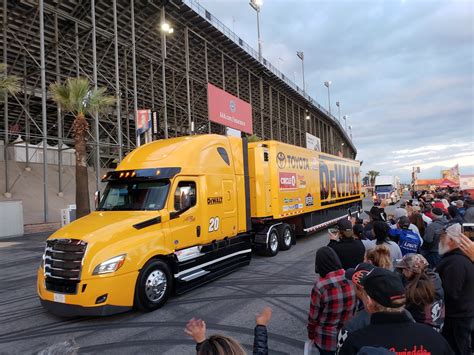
281	160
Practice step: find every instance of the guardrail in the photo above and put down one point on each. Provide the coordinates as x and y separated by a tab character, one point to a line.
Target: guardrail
214	21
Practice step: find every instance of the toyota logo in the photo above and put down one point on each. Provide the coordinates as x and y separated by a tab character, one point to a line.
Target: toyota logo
232	106
281	160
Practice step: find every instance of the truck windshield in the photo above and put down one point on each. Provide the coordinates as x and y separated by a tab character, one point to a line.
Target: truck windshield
135	196
383	188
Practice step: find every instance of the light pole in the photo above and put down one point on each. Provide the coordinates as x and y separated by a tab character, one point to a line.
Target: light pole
166	29
338	104
345	117
328	84
256	5
301	56
350	131
281	60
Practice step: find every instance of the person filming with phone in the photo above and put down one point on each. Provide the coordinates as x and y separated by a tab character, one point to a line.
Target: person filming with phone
351	251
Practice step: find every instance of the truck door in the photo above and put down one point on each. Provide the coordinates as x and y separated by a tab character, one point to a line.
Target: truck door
184	225
229	217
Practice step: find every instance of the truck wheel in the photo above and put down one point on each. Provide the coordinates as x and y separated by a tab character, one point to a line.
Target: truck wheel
273	243
286	240
154	286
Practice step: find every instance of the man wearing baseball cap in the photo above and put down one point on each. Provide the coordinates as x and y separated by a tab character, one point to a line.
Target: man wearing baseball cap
430	246
362	317
397	214
351	251
390	327
408	240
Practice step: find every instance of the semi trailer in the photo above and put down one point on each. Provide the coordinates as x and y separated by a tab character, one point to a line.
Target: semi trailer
180	212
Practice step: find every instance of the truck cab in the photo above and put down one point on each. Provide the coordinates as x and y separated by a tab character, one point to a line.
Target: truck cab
169	219
387	188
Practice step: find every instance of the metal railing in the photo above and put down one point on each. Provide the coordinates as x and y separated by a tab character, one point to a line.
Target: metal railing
214	21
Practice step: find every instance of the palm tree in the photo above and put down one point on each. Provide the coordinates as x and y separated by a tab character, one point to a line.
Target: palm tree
76	96
9	84
372	174
253	138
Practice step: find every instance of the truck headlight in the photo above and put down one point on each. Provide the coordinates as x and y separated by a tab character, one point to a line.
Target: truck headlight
110	265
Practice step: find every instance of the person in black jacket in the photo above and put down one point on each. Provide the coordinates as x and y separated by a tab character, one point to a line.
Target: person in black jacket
222	345
454	215
350	251
390	327
457	275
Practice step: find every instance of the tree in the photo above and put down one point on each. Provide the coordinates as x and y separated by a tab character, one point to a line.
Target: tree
253	138
9	84
372	174
76	96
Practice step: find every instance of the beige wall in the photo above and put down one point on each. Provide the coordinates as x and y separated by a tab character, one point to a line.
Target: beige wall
28	187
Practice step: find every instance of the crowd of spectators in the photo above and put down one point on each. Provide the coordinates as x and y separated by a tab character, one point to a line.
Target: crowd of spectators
398	283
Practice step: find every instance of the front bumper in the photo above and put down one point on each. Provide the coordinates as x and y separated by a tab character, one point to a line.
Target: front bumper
72	310
119	291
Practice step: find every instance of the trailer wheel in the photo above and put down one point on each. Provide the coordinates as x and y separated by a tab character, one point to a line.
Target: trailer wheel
154	286
273	244
286	240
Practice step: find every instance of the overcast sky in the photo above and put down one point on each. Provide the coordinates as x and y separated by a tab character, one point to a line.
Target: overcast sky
402	70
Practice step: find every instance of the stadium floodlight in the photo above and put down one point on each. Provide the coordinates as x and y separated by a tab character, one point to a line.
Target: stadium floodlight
256	5
166	28
327	84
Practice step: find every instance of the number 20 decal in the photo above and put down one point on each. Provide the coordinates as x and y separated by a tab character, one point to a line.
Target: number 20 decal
214	224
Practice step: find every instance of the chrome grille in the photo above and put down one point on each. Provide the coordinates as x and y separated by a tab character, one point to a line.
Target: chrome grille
63	264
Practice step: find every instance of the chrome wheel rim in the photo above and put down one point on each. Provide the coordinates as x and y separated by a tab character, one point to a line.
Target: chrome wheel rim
156	285
273	242
287	237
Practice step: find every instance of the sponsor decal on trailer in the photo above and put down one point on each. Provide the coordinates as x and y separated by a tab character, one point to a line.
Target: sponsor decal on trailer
297	206
309	200
292	200
286	161
287	181
302	181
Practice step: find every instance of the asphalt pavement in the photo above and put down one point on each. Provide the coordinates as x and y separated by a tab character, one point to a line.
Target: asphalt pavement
228	305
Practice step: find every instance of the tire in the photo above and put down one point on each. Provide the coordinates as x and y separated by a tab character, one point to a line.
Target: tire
150	293
286	237
273	244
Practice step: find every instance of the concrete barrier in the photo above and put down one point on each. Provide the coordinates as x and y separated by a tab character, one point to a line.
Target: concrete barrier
11	218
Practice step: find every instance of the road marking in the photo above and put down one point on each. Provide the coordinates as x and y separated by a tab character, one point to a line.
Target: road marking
8	244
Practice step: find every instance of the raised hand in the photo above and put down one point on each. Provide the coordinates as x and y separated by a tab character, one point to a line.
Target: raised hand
196	328
467	246
263	318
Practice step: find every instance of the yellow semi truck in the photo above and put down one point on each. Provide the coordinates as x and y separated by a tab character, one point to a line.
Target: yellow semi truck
180	212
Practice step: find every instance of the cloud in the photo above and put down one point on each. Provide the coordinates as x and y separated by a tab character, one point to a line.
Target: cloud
402	71
431	148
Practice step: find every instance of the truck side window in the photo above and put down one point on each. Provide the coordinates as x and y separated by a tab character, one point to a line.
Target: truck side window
223	153
185	195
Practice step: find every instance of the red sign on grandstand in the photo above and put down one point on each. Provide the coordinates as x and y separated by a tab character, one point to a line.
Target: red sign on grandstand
229	110
143	122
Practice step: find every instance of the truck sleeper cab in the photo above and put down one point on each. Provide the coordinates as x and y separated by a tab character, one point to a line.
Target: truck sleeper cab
387	188
175	214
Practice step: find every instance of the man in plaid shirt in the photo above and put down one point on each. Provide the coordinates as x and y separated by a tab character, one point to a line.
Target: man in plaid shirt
333	301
